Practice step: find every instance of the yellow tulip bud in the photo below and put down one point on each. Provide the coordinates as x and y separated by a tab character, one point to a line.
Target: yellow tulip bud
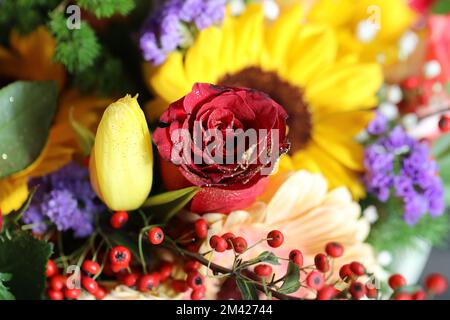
122	158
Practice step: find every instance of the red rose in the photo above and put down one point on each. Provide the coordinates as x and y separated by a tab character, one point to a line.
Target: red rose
225	140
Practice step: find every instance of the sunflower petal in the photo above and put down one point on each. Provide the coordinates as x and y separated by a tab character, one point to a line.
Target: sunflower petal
313	48
169	80
345	87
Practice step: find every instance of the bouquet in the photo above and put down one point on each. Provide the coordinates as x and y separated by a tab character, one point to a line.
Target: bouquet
223	149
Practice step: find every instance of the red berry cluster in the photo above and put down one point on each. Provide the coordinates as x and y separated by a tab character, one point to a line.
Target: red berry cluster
435	284
229	241
194	280
57	288
145	282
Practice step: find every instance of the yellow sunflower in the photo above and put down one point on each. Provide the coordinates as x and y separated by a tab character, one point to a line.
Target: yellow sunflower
328	98
30	57
377	30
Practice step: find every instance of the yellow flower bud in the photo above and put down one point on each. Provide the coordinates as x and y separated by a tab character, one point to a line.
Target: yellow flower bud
122	158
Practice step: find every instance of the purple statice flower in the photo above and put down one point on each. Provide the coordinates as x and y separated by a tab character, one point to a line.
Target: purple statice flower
64	199
399	166
165	29
378	125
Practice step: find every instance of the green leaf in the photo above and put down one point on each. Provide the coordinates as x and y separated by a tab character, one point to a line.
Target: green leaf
247	289
441	7
84	136
441	147
392	233
170	196
268	257
447	87
26	113
5	294
292	279
77	49
25	258
444	170
166	205
107	8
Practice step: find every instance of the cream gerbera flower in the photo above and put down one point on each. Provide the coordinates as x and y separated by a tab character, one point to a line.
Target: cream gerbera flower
327	97
300	205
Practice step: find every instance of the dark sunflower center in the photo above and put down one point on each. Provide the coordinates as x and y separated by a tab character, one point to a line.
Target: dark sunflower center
284	93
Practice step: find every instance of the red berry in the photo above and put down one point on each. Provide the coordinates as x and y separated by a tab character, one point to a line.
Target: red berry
345	273
179	286
436	283
357	268
90	267
120	256
334	249
191	265
263	270
165	271
55	295
326	293
201	228
321	262
419	295
218	244
315	280
402	296
396	281
148	282
444	123
195	280
228	237
275	238
72	293
239	244
357	290
371	291
50	269
296	257
100	293
89	284
129	279
411	83
156	235
116	268
198	294
58	282
118	219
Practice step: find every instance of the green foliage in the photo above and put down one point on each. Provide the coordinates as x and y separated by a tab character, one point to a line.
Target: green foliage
107	8
441	152
268	257
103	76
26	112
391	232
25	258
165	205
85	137
77	49
5	294
247	289
441	7
291	280
24	15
